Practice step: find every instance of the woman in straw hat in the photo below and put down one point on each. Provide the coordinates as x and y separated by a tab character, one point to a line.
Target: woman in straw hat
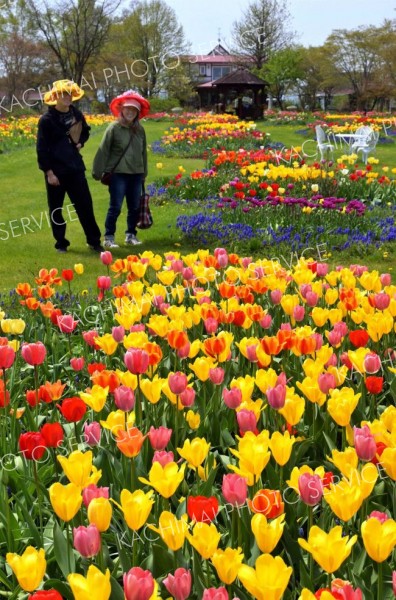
123	152
62	132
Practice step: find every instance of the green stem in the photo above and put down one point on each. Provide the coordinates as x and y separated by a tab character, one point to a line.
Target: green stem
380	582
36	386
133	475
36	480
69	546
310	557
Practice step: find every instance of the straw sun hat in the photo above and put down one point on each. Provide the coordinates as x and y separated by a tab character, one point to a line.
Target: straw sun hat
60	87
130	98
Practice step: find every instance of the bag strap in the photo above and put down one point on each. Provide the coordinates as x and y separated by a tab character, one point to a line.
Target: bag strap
123	153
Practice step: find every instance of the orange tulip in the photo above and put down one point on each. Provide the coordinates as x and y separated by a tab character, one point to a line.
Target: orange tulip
130	441
177	339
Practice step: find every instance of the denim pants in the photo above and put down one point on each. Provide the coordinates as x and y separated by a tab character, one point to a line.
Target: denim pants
128	186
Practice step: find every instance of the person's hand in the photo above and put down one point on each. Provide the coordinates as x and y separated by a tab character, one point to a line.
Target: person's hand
52	178
78	146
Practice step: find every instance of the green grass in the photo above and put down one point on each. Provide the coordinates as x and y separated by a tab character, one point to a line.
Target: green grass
26	242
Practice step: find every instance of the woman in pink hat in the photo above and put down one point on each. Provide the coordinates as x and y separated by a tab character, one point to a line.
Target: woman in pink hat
123	153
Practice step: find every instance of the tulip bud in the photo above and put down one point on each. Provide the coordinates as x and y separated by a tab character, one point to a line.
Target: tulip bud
118	333
234	489
138	584
326	382
177	382
232	398
364	441
246	420
276	396
381	300
87	540
276	296
159	438
124	398
266	321
310	488
372	363
106	257
211	325
216	375
187	397
179	584
298	313
77	363
92	433
312	299
136	360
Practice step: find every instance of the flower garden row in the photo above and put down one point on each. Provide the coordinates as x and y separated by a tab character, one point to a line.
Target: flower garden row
211	426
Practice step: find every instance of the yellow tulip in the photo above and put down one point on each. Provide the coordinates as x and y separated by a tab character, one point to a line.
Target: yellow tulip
265	379
281	446
65	499
107	343
136	507
193	419
204	538
95	585
341	404
227	564
13	326
293	408
346	461
379	538
310	388
329	550
100	513
171	530
268	580
29	568
165	480
344	498
194	451
115	421
152	388
79	268
79	469
246	385
201	367
253	453
388	461
267	533
95	398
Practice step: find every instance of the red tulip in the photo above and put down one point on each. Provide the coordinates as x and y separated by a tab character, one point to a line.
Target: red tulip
202	508
7	357
77	363
34	353
45	595
359	338
67	274
374	384
53	434
73	409
32	445
103	282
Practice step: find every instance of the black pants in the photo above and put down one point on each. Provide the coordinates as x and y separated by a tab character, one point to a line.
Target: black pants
75	185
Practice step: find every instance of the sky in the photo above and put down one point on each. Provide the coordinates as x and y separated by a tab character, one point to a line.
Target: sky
312	20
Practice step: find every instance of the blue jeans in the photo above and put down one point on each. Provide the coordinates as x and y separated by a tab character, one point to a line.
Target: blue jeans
122	186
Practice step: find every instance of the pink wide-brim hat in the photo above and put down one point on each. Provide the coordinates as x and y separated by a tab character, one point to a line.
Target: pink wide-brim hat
130	98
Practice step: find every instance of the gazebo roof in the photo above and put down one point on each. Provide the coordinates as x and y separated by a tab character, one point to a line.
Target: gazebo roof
239	77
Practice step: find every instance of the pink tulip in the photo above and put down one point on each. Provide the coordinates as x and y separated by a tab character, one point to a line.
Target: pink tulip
136	360
380	516
159	438
322	269
124	398
266	321
184	351
106	257
137	327
326	382
234	489
381	300
118	333
305	288
187	273
77	363
344	590
92	433
92	491
211	325
103	282
89	338
66	323
276	396
177	265
394	582
312	299
334	338
34	353
246	420
372	363
177	382
87	540
364	441
7	357
298	313
179	584
215	594
318	337
138	584
310	488
385	279
341	327
251	352
163	457
332	362
187	397
232	398
216	375
276	296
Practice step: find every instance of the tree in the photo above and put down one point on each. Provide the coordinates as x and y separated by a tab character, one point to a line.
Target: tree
281	72
318	75
74	30
148	41
262	31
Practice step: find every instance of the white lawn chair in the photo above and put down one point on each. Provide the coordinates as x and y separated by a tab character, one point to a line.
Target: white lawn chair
366	146
324	146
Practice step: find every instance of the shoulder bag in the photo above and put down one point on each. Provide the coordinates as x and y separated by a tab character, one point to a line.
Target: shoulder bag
106	177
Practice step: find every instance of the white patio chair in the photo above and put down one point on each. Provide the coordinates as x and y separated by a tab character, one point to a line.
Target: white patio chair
367	145
324	146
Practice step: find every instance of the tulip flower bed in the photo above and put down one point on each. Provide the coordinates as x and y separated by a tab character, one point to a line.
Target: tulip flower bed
207	427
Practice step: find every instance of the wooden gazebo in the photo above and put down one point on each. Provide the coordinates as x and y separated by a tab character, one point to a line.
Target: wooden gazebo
240	91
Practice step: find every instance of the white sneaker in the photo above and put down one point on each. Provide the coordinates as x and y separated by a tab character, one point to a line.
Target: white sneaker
131	240
110	243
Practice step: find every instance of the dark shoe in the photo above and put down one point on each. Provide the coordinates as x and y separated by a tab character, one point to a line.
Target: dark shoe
96	247
61	250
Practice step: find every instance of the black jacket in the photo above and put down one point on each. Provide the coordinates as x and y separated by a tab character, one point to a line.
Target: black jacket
55	149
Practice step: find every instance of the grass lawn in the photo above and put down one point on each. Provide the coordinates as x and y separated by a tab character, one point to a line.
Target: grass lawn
26	242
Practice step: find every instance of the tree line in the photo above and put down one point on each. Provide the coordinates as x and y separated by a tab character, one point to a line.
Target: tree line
107	49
